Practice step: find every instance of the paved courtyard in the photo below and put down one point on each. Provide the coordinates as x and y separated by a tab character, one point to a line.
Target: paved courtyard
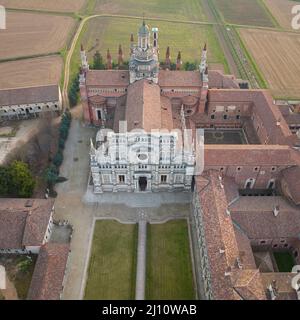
77	206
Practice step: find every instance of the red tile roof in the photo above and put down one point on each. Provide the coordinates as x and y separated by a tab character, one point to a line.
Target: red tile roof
143	107
248	284
24	222
256	218
292	177
248	155
107	78
49	272
230	280
12	225
218	80
219	233
168	78
29	95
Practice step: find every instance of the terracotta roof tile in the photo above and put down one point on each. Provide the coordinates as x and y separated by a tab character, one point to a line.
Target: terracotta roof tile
256	218
49	272
248	284
143	107
23	222
247	155
168	78
107	78
292	178
30	95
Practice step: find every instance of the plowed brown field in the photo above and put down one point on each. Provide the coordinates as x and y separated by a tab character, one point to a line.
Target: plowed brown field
282	11
277	56
31	72
51	5
32	34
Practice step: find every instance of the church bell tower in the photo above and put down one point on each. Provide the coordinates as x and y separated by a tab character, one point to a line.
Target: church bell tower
143	62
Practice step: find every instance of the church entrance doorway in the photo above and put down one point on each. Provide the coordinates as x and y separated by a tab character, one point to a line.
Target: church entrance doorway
143	183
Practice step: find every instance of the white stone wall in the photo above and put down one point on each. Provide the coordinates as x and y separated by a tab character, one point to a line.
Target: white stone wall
49	228
127	161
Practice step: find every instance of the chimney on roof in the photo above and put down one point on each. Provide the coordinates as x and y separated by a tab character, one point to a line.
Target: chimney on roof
276	210
239	263
278	122
271	292
228	272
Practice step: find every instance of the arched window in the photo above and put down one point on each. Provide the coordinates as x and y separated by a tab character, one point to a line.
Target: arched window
249	184
271	184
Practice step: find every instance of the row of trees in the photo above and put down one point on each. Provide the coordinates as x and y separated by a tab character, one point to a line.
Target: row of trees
187	66
52	172
16	180
98	63
74	91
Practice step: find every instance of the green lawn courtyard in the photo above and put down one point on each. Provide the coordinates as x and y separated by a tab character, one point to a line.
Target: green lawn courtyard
112	265
284	260
169	268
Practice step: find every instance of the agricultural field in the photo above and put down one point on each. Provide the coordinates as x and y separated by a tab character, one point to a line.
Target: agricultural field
244	12
112	265
167	9
53	5
103	33
169	268
22	73
277	56
282	11
30	34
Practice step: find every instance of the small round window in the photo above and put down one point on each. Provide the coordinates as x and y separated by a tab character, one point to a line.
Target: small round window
142	156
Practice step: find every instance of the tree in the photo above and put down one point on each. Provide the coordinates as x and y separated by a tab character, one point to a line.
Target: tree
58	159
4	181
22	182
61	143
190	66
98	61
51	175
73	91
